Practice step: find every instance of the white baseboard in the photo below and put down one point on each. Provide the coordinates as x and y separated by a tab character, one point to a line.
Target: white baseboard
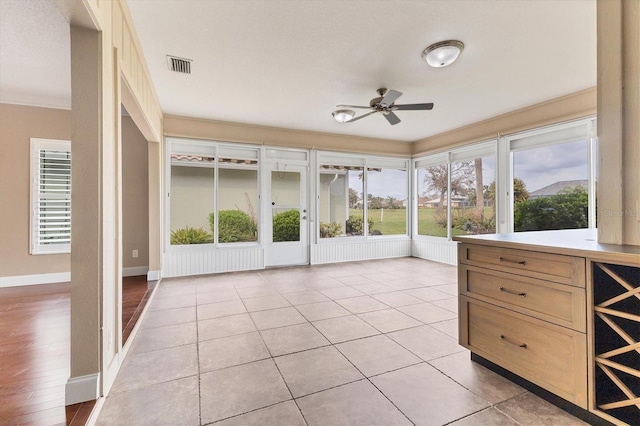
134	271
153	275
19	280
82	389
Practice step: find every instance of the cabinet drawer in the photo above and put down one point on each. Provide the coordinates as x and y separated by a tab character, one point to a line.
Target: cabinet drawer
558	303
550	356
551	267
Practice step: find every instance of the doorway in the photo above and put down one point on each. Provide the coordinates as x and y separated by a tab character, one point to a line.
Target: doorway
287	216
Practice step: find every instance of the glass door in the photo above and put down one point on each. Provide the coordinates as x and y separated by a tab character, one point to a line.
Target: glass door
288	224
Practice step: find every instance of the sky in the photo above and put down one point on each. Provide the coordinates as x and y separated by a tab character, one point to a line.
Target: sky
537	167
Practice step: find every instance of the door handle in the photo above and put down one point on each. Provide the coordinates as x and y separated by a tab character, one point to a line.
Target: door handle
304	217
273	203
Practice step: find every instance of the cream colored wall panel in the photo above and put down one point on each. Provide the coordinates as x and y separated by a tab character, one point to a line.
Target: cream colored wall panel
348	251
185	263
438	251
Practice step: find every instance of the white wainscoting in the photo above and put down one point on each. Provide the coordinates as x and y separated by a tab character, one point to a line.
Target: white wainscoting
439	251
347	251
179	264
20	280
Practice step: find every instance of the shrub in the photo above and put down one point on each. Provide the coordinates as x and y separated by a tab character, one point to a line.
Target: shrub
354	225
190	235
566	210
286	226
234	226
474	223
330	230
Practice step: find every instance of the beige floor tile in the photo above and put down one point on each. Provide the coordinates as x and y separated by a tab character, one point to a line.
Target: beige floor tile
352	279
149	405
340	292
528	409
254	280
358	305
152	339
221	309
238	390
490	416
217	296
426	342
264	303
450	304
401	284
172	302
277	318
305	297
358	403
166	290
169	317
451	289
379	276
427	294
376	355
262	290
449	327
428	313
479	380
389	320
429	279
144	369
208	285
322	310
427	396
225	326
342	329
397	298
294	338
373	288
315	370
233	350
284	413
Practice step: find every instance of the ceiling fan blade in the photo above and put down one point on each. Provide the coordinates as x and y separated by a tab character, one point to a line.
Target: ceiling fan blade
390	97
362	116
353	106
391	118
413	107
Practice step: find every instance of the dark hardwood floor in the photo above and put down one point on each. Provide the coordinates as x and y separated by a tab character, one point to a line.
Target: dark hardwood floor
34	350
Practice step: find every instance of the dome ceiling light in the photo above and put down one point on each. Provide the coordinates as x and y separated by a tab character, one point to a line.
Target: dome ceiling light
343	115
443	53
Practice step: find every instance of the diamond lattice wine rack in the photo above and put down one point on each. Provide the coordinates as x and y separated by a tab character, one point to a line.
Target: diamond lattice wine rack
617	340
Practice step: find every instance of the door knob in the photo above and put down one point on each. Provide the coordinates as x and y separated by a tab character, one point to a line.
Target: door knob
304	217
273	203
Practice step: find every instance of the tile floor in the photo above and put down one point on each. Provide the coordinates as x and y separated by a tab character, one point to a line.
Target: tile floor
362	343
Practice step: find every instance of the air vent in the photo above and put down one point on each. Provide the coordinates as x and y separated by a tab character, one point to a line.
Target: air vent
179	64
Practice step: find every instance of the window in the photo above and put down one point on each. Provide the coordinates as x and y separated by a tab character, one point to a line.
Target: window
553	182
50	196
345	211
213	195
454	192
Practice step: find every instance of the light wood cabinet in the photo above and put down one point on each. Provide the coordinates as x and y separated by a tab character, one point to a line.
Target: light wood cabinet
526	312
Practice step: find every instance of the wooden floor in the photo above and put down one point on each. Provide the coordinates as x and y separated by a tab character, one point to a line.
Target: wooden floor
34	350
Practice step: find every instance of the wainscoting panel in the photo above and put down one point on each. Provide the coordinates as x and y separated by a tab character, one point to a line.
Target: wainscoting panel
359	250
180	264
438	251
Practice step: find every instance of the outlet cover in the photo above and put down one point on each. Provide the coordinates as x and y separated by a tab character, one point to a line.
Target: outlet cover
135	253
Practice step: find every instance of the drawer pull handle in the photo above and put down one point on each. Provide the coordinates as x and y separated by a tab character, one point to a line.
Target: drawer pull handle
520	345
506	290
519	262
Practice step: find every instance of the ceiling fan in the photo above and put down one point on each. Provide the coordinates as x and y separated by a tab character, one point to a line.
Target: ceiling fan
384	104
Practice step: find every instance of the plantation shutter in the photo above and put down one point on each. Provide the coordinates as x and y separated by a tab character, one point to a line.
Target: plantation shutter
51	197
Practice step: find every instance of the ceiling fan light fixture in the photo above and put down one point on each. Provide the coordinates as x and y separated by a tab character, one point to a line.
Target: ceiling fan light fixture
443	53
343	115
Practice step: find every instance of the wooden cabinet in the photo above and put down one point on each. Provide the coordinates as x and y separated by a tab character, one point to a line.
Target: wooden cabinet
526	312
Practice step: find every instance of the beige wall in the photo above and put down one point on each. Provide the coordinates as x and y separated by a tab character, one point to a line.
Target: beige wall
17	125
135	195
235	132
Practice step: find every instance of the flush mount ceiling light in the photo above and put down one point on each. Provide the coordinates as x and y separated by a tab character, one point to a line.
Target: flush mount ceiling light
343	115
443	53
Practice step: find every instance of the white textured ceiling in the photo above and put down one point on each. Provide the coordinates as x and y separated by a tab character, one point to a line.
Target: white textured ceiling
34	54
288	63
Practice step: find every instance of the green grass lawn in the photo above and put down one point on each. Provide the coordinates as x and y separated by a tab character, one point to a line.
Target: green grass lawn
393	221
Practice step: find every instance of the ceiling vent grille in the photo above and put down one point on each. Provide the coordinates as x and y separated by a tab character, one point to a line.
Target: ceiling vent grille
180	65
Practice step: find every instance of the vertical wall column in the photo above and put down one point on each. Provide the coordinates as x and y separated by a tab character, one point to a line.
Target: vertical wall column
619	121
155	210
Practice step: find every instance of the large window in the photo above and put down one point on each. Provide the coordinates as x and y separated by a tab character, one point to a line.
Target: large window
213	195
553	182
345	210
455	192
50	196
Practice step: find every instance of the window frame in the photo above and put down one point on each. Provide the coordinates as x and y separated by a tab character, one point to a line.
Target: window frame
36	247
